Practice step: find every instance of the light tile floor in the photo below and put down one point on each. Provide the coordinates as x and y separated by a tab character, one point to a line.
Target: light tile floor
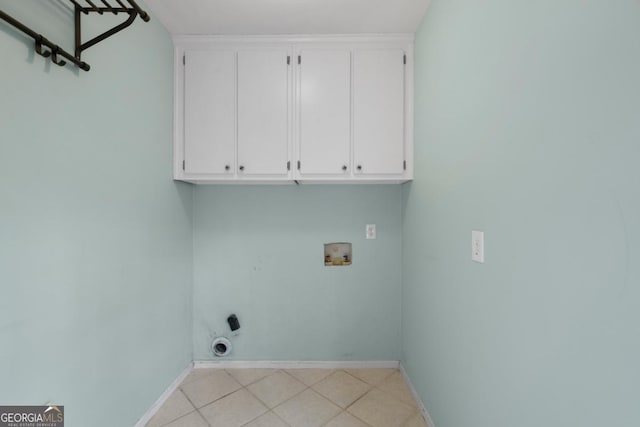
290	398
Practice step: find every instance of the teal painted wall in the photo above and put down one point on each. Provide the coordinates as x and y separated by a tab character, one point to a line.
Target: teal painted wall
95	237
258	252
527	128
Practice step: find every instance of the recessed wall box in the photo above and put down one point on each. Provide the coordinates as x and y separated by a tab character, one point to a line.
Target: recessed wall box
337	253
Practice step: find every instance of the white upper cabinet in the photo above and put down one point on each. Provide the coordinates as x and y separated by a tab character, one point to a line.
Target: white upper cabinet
263	113
209	113
294	109
378	112
324	88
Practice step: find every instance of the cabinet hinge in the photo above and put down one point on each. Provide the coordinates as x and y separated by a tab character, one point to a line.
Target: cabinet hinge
404	59
298	164
288	60
183	165
299	59
184	60
289	165
404	165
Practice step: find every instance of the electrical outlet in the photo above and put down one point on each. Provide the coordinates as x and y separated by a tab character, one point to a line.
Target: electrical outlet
477	246
371	231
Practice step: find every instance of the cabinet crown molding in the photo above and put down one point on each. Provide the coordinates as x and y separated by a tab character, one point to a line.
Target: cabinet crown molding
187	39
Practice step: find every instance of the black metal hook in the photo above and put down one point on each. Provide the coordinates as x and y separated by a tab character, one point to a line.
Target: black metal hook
47	49
39	50
84	66
54	57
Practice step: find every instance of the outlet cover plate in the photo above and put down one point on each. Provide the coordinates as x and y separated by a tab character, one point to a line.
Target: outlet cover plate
477	246
371	231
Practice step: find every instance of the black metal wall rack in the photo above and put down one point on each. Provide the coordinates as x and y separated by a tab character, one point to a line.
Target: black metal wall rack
48	49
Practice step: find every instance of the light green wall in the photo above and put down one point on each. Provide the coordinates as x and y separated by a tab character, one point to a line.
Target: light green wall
527	128
95	237
258	252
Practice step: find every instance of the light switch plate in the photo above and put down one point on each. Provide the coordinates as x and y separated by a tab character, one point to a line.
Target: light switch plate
477	246
371	231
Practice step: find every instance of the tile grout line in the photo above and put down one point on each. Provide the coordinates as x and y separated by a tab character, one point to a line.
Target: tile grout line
415	407
262	415
203	417
179	389
196	409
369	389
284	401
348	413
251	394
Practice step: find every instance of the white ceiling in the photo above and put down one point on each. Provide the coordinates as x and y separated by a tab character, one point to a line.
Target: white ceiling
252	17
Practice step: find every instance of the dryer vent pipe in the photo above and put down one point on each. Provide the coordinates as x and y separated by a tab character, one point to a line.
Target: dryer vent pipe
221	346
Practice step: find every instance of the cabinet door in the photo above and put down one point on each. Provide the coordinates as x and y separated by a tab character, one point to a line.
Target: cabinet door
378	111
209	112
263	113
325	112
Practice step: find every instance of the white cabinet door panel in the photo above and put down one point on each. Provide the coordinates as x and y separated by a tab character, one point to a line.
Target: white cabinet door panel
209	112
263	113
246	111
378	122
325	112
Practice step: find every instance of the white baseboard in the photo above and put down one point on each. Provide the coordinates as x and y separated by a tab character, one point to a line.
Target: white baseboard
163	397
421	407
293	364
